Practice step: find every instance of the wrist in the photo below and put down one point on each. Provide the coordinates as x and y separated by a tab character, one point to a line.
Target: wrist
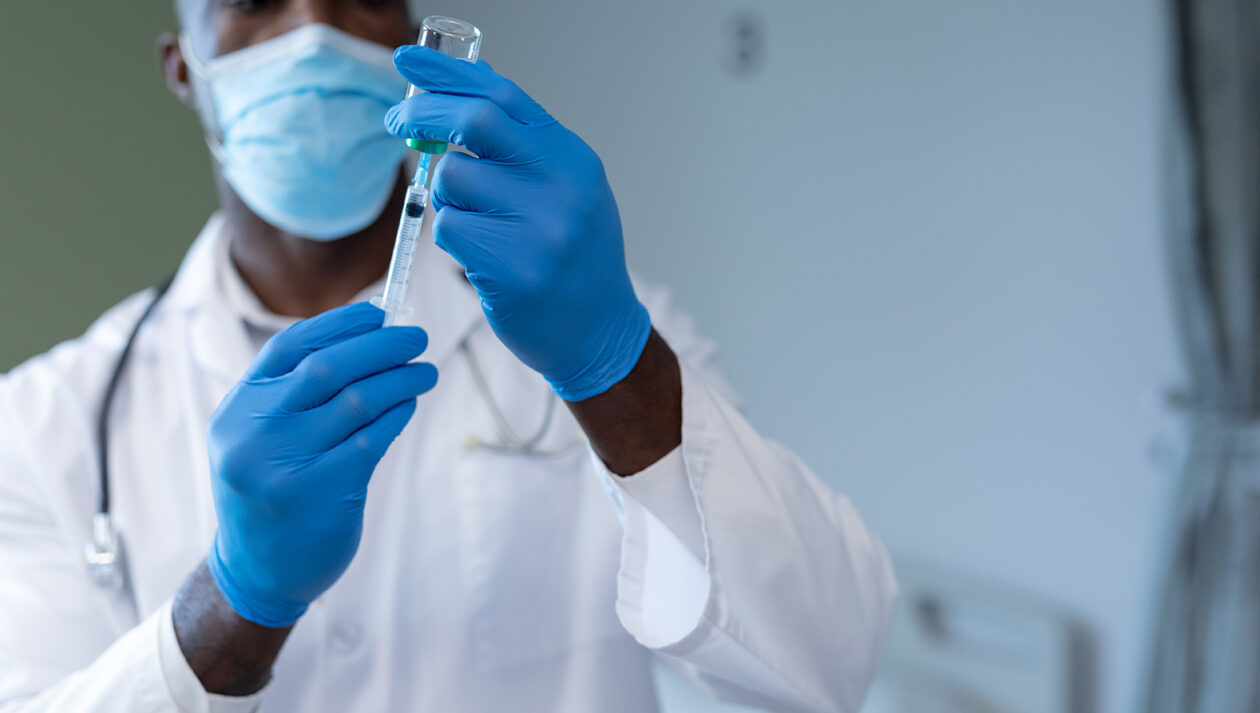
638	420
230	655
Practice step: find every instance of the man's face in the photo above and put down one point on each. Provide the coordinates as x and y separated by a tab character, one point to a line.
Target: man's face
217	27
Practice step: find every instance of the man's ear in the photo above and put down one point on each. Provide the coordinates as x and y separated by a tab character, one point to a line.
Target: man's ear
174	68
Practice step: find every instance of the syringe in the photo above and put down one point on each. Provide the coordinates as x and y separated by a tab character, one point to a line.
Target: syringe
394	301
460	40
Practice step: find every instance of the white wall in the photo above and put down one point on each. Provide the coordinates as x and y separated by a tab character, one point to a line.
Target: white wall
928	237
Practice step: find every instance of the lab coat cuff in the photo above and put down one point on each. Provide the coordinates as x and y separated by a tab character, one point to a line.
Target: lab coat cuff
130	670
184	686
663	584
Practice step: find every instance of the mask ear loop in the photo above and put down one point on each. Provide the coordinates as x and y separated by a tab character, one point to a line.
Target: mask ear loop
203	98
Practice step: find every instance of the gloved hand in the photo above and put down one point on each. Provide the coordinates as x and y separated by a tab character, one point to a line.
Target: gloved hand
531	219
292	448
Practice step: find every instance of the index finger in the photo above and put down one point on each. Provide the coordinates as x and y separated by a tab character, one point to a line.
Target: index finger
433	71
324	373
478	125
289	347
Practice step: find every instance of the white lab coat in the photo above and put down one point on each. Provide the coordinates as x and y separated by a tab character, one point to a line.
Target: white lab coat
484	582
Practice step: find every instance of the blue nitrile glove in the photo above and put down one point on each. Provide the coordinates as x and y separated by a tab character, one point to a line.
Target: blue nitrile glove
532	220
292	448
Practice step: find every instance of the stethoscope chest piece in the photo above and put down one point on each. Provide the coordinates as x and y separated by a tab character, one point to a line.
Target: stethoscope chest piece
104	553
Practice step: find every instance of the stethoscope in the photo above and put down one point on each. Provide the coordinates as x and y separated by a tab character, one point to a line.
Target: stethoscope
104	551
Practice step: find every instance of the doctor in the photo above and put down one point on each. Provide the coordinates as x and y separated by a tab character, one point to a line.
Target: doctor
313	520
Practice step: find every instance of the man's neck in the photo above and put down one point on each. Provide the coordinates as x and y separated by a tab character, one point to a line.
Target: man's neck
299	277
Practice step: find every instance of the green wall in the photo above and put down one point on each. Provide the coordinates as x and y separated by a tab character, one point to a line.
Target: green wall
105	175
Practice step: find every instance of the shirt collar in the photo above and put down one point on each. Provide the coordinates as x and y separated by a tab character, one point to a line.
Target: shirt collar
210	293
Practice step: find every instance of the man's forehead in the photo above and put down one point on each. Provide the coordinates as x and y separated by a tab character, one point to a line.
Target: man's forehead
193	10
196	16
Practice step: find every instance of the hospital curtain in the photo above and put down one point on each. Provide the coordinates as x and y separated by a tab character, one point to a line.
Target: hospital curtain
1205	656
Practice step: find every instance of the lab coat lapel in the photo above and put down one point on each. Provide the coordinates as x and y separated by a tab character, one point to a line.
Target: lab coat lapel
218	340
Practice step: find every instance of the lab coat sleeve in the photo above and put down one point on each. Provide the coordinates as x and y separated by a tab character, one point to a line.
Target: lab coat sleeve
64	648
743	568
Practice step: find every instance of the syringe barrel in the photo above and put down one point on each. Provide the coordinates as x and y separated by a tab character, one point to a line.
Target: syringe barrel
453	38
404	256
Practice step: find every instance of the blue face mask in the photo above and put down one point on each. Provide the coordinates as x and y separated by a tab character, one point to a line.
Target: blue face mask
297	124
